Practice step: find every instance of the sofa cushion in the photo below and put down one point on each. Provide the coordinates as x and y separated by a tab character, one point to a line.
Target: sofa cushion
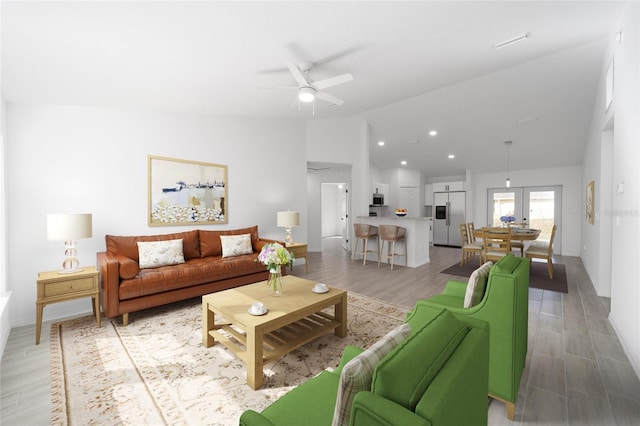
210	244
127	246
192	272
153	254
236	245
406	372
477	285
356	374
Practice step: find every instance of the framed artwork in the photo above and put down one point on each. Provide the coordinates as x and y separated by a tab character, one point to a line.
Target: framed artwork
590	202
183	192
608	88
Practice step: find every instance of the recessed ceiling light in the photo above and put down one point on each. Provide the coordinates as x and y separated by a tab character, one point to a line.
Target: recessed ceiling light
452	156
381	143
512	40
404	163
433	133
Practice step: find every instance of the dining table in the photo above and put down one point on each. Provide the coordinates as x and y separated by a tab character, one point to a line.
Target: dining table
520	234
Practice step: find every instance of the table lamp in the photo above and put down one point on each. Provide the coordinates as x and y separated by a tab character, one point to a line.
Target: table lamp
69	227
288	220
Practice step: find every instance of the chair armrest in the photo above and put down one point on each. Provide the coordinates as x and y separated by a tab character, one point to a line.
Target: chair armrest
455	288
369	409
108	267
252	418
349	353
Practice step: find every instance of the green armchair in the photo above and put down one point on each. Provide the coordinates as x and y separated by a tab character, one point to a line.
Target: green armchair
505	306
437	376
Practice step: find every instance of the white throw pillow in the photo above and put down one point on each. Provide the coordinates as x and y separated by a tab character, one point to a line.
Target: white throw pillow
357	374
477	285
160	253
236	245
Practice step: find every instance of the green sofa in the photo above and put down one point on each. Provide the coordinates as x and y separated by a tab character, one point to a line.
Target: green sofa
436	376
505	306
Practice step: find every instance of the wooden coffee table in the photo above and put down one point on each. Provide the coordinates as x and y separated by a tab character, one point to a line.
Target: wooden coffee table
292	320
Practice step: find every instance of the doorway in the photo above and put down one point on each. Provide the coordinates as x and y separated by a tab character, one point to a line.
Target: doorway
334	202
539	206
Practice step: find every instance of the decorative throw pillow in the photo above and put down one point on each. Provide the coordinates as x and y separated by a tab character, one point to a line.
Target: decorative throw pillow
356	374
236	245
477	285
153	254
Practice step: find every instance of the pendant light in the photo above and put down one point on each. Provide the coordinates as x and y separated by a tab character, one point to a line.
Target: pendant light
508	144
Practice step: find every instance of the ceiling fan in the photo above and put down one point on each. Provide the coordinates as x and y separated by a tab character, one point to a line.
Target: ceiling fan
308	89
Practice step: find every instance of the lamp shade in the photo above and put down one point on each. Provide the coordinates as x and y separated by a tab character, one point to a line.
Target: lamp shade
288	219
68	226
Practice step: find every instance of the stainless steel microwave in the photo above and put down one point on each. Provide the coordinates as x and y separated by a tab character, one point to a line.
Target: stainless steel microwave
378	199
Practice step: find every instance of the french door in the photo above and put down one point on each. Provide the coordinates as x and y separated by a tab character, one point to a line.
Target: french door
539	206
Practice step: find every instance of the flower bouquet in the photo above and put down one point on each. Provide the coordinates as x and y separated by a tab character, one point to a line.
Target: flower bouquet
274	256
507	219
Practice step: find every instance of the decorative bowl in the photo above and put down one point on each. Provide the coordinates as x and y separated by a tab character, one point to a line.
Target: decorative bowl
400	214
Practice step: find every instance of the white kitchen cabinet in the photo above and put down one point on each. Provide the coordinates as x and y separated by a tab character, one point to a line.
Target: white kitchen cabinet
428	195
448	186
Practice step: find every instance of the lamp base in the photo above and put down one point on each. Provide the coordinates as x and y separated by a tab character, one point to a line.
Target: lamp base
287	235
71	262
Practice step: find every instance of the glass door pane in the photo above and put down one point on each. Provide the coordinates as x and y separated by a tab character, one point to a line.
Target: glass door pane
543	205
504	202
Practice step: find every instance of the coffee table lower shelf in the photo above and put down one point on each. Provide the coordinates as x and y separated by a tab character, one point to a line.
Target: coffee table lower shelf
278	342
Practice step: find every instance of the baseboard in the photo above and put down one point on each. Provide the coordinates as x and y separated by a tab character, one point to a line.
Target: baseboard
633	357
5	325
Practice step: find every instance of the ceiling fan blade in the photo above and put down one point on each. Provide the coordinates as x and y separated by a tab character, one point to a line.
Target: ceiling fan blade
297	74
332	81
329	98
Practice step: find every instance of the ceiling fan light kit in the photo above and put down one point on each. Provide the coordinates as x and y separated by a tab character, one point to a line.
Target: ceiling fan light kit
306	94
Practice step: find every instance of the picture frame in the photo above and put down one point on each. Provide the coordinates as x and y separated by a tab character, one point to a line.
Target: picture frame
608	88
590	202
185	192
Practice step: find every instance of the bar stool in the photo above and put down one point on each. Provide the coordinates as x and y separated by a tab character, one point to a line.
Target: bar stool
392	234
364	232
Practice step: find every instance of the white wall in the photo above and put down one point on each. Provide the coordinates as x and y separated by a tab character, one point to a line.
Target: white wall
94	159
337	141
570	178
618	217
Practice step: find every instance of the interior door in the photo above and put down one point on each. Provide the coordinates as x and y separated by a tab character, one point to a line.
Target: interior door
408	199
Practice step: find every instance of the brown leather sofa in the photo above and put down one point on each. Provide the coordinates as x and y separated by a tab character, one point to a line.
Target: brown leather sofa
126	288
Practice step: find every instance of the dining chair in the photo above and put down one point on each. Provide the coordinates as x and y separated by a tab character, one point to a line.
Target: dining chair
540	250
472	236
391	234
469	249
363	233
518	245
497	243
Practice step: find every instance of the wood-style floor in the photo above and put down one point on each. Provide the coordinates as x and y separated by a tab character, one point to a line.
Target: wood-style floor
576	372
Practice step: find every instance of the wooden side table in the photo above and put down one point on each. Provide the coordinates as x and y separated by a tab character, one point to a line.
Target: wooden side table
299	250
55	287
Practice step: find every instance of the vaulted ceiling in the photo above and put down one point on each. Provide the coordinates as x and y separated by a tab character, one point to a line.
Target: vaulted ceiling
417	66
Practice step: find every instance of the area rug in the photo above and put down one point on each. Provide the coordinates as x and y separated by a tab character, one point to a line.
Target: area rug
539	276
156	370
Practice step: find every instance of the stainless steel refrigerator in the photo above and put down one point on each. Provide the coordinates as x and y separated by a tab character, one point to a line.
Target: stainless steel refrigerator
449	214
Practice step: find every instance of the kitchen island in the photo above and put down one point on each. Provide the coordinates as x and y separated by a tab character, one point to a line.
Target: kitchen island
417	237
